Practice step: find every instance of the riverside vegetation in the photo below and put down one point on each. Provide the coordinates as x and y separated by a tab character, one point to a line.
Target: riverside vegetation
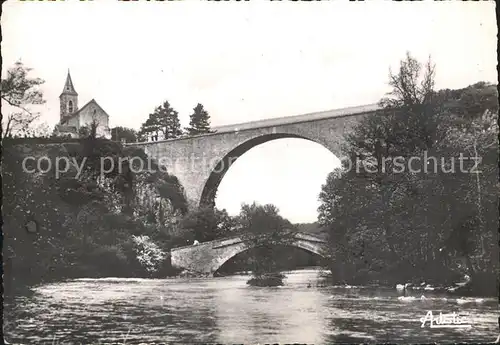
382	227
66	227
432	226
74	225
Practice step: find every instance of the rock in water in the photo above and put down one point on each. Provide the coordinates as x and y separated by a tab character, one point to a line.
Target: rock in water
270	279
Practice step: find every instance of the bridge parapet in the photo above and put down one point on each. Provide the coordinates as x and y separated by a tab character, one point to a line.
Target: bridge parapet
278	121
237	239
309	237
212	243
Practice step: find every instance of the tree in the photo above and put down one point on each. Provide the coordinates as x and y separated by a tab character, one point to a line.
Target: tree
150	127
84	132
165	120
89	131
41	130
148	253
406	127
207	224
473	130
93	128
19	91
409	86
168	118
392	226
128	134
199	121
263	230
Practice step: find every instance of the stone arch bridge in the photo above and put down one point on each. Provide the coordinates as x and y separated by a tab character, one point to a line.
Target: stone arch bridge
200	162
208	257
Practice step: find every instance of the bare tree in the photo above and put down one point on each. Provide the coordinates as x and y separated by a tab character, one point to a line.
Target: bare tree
19	91
409	86
41	130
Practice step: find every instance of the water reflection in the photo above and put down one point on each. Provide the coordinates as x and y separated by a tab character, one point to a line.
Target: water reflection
244	313
226	310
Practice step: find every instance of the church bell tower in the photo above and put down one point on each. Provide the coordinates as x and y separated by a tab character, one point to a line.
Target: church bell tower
68	100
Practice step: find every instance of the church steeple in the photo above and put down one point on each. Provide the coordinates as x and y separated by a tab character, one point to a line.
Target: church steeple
68	86
68	100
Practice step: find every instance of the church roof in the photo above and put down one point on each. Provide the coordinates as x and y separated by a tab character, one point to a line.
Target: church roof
92	101
69	89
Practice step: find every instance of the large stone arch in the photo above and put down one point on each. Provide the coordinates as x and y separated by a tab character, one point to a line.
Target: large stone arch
200	162
211	184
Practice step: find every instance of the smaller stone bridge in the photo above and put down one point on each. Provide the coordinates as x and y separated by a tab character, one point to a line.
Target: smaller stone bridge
208	257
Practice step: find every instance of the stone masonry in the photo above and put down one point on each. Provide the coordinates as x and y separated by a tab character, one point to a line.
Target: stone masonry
200	162
208	257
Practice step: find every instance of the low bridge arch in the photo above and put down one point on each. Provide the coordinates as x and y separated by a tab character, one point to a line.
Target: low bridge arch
208	257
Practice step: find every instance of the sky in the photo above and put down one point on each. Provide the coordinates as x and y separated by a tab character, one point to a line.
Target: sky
244	62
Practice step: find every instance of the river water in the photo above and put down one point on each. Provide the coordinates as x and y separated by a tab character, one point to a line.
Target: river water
226	310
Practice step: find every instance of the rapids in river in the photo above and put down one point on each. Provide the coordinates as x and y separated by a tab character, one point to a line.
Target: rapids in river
227	310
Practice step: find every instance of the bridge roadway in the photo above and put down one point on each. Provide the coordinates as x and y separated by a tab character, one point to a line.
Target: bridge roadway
208	257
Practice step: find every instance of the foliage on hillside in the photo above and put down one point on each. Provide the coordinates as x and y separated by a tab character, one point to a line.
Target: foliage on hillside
111	216
434	223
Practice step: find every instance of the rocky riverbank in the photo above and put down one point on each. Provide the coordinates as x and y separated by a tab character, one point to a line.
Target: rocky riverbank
481	285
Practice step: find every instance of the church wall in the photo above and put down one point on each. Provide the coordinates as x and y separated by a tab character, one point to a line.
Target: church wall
88	114
73	122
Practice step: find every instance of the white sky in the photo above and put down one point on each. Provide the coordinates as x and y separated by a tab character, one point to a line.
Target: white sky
245	61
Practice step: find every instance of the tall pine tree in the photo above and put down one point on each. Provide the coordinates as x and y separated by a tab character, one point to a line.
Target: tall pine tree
199	121
164	120
168	118
150	128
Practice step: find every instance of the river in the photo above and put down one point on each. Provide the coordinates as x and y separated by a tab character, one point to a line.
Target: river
226	310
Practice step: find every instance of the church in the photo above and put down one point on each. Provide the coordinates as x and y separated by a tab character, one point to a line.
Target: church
73	120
